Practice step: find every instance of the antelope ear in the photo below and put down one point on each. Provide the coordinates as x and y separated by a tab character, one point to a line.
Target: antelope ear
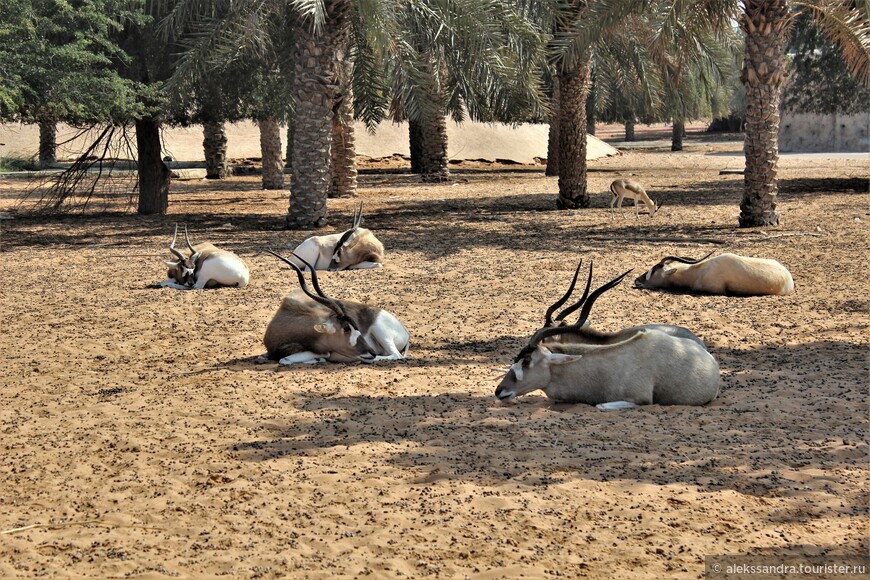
323	328
559	358
172	264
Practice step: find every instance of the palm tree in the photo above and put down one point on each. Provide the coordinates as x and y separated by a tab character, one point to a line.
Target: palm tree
344	171
270	148
474	59
765	25
214	145
318	35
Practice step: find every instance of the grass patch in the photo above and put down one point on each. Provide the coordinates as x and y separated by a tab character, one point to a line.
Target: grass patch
17	162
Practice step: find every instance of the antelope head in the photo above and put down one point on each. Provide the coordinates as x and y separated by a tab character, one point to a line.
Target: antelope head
658	275
182	271
356	246
531	367
340	325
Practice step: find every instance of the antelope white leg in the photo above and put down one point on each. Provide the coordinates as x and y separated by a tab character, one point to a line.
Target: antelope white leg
304	357
615	405
172	284
397	356
365	266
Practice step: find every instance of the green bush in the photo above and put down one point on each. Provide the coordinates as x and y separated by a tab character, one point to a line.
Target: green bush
17	162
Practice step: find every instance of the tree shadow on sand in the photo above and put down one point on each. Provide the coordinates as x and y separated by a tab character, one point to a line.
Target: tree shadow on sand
751	439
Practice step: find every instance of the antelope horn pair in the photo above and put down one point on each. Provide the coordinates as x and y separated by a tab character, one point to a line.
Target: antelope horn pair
667	259
586	302
320	297
175	251
357	220
548	317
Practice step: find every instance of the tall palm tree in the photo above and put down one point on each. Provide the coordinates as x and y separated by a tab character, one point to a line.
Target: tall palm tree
318	35
765	25
477	59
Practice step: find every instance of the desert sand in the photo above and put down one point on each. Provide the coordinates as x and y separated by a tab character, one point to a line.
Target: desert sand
141	439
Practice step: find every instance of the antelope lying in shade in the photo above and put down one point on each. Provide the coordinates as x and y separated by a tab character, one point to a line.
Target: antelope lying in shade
723	274
312	327
623	189
205	267
654	364
354	249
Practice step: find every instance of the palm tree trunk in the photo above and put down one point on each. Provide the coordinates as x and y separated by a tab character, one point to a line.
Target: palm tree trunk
270	149
47	143
344	172
678	129
573	90
553	135
288	161
314	93
434	159
415	142
763	23
214	144
629	130
154	175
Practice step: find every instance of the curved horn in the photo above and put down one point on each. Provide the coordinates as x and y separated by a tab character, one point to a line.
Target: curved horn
548	317
584	314
357	219
579	303
172	249
328	302
357	216
587	307
194	255
187	239
684	260
335	303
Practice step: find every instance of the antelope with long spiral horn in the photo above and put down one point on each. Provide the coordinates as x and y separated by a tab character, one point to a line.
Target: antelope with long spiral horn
723	274
643	365
311	327
353	249
205	267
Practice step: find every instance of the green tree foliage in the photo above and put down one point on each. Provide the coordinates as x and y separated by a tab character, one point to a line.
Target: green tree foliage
59	60
820	81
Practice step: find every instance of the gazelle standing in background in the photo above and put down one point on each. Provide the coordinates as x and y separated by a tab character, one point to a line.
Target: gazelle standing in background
623	189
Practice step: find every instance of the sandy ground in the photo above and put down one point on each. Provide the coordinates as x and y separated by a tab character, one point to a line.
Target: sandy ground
141	437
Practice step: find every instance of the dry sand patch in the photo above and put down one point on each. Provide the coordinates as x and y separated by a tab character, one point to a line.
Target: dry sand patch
142	412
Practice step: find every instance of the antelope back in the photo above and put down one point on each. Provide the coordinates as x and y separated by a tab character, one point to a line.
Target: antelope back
301	324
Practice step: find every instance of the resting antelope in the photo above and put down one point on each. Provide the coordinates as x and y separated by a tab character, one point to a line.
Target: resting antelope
655	364
354	249
623	189
311	327
205	267
723	274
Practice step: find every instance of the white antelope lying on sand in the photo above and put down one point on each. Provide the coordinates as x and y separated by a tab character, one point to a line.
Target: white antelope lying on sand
724	274
313	328
652	364
623	189
354	249
205	267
